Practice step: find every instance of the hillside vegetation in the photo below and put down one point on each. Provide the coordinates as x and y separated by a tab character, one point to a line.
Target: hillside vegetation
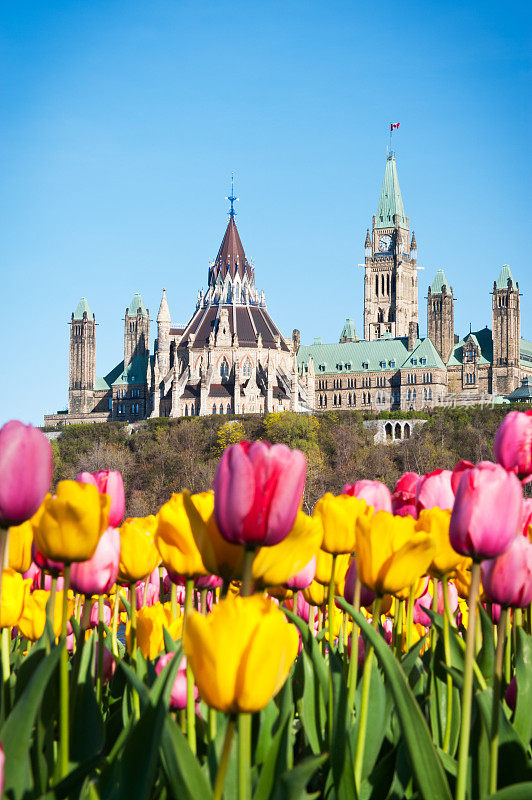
167	455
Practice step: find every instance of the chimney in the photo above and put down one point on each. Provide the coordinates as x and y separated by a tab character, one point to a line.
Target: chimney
296	338
412	334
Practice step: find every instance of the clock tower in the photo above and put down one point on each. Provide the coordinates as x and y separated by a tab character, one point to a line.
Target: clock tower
390	284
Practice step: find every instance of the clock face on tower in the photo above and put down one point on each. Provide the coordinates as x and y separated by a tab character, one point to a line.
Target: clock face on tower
385	243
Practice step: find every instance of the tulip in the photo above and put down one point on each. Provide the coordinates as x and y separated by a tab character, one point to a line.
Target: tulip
315	594
98	574
275	565
434	489
339	518
53	567
361	653
458	471
20	542
25	472
94	617
150	623
436	522
109	664
72	522
487	511
33	618
147	594
174	538
241	653
375	494
513	444
108	482
13	592
33	572
208	582
526	517
390	553
426	601
511	694
258	489
304	577
366	595
46	584
178	698
138	553
507	579
404	495
324	566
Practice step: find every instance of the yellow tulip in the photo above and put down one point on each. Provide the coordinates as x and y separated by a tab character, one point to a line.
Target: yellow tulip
138	554
150	623
241	653
315	594
391	554
462	578
339	516
436	522
324	562
420	587
13	591
31	623
219	556
174	539
72	522
20	542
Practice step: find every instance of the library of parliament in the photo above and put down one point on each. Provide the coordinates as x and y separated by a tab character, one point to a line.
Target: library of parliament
230	358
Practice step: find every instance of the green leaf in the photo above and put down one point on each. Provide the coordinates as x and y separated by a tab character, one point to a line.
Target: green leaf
15	733
426	765
519	791
275	762
514	764
294	782
486	656
342	751
265	721
87	730
312	707
183	772
377	785
311	647
523	674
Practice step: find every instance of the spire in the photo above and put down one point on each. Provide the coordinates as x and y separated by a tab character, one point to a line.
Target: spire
136	303
81	308
505	275
164	311
368	239
231	256
390	202
439	282
232	199
413	243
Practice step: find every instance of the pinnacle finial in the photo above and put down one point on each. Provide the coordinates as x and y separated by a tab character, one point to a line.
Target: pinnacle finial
232	199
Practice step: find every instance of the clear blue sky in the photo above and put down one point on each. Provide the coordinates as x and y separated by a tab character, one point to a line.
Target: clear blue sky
122	121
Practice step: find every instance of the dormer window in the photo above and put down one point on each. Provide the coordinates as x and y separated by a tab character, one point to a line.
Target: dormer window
348	365
365	365
414	362
391	364
383	364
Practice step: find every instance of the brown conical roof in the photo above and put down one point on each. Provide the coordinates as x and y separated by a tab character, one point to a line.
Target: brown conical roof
413	243
368	239
231	256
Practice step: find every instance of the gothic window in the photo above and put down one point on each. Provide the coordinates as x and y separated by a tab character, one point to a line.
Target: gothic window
110	404
388	284
380	315
430	394
369	398
214	409
382	286
409	395
424	394
339	399
221	409
414	395
377	285
186	411
246	368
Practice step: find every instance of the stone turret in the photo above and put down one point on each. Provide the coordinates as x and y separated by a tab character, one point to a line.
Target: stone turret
506	332
440	315
82	362
136	330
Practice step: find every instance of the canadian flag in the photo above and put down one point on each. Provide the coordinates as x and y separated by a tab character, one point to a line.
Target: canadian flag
394	125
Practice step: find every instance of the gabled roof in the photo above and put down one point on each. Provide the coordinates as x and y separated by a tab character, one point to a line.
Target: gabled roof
483	339
81	308
231	257
440	280
135	372
380	354
137	303
390	201
504	275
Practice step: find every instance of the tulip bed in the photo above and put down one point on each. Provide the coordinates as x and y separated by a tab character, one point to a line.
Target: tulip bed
231	646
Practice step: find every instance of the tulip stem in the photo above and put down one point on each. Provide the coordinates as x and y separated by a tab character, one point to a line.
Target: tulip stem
50	608
247	572
224	759
508	651
116	611
364	701
330	615
173	601
399	611
4	554
63	681
135	701
410	617
203	602
99	678
467	689
5	669
244	756
353	661
447	651
191	710
496	699
212	724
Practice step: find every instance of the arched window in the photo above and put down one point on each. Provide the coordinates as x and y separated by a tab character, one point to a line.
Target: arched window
406	431
186	411
414	395
382	284
214	409
228	409
388	284
377	285
388	430
224	368
221	409
246	367
430	394
398	432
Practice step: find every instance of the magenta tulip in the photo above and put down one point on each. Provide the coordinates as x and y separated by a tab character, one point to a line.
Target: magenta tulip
526	516
361	649
146	595
258	489
486	515
458	471
511	694
404	495
366	595
435	490
507	579
25	472
109	664
304	577
2	761
108	482
55	567
178	698
208	582
426	601
94	617
513	444
47	585
375	494
98	574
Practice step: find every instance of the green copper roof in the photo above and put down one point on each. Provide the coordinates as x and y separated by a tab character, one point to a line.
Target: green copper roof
363	356
136	372
504	274
390	202
482	339
439	282
349	331
137	303
525	353
81	307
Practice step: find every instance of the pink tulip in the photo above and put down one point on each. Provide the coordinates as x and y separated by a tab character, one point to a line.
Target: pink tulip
487	511
513	444
109	664
95	615
55	567
108	482
361	649
258	489
208	582
169	579
526	515
25	472
37	582
150	593
511	694
366	595
458	471
98	574
388	630
493	610
32	572
426	601
404	495
435	490
375	494
178	699
507	579
304	577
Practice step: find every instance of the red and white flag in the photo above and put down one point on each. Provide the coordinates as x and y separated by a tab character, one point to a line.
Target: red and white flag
394	125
